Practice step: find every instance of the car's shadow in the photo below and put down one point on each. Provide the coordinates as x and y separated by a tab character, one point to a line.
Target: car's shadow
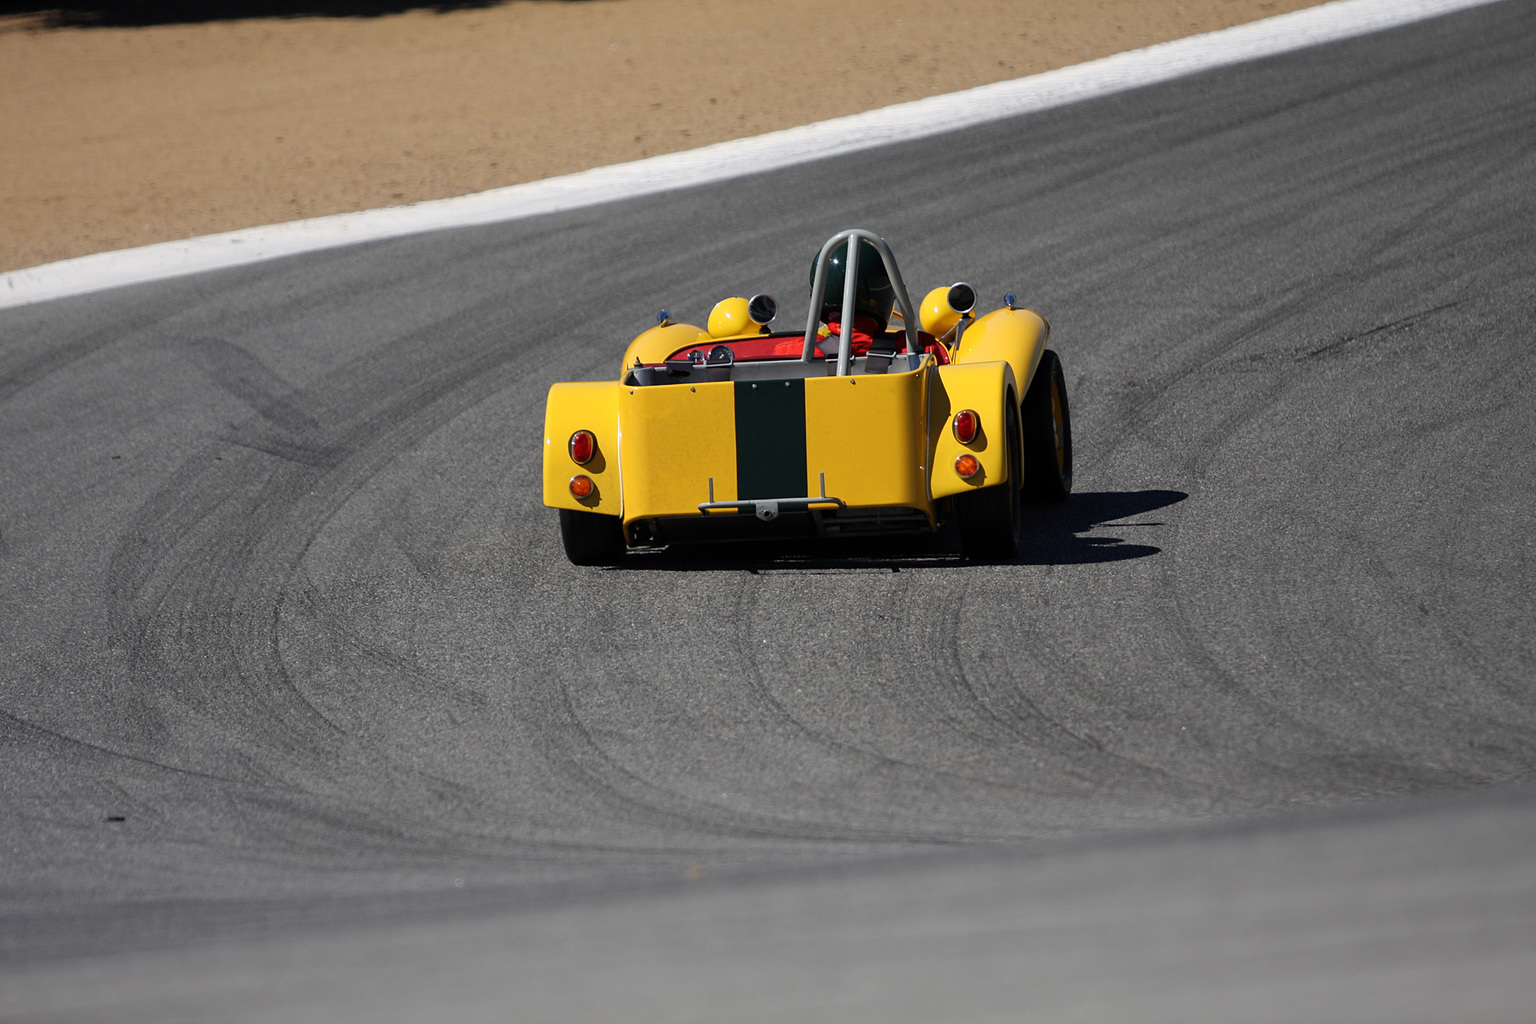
1061	534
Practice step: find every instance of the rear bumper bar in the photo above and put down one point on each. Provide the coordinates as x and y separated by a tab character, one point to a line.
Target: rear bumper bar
797	523
768	509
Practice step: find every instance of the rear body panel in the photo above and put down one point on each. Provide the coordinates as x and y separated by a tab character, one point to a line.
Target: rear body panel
982	388
587	405
859	440
877	447
755	434
673	442
866	434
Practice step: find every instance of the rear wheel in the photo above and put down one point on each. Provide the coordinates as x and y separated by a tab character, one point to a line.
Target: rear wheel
1047	433
591	538
991	520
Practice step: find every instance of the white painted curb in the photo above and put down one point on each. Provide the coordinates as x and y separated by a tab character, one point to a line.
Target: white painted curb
900	123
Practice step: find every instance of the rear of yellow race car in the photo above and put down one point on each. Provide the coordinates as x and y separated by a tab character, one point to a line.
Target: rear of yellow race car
737	432
772	457
873	454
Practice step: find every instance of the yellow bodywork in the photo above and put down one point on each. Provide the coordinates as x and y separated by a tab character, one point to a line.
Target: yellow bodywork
660	342
981	388
585	406
938	317
878	440
732	318
1015	336
676	438
866	434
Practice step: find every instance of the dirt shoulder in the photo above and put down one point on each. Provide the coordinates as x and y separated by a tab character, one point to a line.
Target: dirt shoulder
119	137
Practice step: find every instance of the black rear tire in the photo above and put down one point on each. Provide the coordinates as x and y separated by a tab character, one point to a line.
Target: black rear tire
991	520
1047	433
591	538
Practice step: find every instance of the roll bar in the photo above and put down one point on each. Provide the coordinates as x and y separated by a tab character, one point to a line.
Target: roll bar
850	289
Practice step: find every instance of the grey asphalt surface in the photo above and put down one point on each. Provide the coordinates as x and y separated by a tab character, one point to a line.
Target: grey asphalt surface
305	716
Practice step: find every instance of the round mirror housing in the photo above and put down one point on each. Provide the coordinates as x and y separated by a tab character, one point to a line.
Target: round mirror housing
762	309
962	297
943	308
729	318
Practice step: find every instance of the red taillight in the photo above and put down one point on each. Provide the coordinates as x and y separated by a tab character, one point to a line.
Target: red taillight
967	466
967	425
582	486
582	447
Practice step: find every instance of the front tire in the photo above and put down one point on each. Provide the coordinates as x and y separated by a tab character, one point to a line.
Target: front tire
991	519
1047	433
591	538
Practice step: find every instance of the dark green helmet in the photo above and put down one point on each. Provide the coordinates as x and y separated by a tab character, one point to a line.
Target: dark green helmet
873	297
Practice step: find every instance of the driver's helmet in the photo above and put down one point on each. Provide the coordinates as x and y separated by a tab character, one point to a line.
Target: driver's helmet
874	295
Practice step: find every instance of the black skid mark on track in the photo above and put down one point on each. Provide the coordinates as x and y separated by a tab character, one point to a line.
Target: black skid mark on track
285	427
900	690
200	575
22	366
1004	715
635	797
1381	331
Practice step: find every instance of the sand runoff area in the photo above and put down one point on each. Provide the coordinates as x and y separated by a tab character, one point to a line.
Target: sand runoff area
122	136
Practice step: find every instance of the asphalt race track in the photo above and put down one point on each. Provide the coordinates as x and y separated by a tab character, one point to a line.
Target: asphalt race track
306	717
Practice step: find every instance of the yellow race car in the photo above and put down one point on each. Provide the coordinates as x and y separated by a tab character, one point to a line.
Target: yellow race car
879	419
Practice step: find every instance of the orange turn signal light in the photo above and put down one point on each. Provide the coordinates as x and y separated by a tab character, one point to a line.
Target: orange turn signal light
966	426
582	486
582	447
967	466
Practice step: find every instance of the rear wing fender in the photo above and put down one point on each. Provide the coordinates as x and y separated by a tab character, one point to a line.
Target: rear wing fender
985	389
592	406
1015	336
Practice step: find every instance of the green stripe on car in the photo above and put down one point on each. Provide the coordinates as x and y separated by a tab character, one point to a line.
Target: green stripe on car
770	439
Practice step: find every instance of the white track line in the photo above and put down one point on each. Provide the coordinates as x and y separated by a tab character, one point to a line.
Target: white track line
900	123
